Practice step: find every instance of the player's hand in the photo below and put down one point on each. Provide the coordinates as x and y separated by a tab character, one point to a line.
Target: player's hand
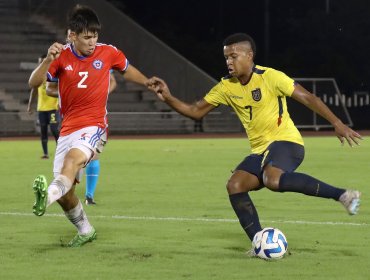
344	133
159	87
30	111
54	51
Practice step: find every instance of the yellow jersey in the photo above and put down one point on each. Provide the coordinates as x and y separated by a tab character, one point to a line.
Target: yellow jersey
260	105
45	102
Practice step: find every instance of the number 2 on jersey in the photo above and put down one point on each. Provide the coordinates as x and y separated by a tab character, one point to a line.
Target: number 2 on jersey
84	76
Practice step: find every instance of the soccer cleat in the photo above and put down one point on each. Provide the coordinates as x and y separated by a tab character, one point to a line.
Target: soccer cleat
89	201
351	201
81	239
45	157
41	195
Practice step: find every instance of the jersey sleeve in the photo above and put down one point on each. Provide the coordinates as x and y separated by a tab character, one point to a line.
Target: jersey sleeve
119	60
216	95
283	84
52	74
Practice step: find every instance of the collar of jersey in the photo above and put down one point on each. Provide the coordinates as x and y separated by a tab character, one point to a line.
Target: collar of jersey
78	56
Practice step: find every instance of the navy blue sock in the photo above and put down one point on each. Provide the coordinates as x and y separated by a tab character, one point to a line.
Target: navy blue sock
302	183
44	143
246	212
44	138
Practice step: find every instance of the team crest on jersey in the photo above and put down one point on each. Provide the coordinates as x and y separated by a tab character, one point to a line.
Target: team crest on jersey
256	94
98	64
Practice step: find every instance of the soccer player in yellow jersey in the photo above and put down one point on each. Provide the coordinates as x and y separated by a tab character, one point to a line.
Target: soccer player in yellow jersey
47	108
258	96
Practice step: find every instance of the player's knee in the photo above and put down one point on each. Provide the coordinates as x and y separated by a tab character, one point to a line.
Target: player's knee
271	181
271	177
234	186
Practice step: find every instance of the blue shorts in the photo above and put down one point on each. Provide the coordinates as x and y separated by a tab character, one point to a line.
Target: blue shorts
281	154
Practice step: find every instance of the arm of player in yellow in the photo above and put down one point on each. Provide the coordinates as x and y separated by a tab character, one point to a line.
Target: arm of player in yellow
52	89
32	99
313	102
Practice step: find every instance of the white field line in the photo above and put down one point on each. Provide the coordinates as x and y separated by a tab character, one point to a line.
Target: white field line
183	219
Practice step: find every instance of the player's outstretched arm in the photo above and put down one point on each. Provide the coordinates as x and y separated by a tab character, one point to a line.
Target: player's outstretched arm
38	75
134	75
195	111
313	102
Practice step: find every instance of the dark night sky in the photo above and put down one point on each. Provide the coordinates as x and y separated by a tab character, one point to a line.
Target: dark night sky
317	38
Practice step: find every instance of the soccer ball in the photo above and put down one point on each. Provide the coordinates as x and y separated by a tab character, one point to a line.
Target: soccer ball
269	243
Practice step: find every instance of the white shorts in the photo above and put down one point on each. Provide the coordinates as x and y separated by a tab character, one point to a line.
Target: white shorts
90	140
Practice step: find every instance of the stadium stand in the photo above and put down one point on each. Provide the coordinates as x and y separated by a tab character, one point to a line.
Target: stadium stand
29	27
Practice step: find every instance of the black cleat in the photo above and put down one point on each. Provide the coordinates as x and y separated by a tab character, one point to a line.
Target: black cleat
89	201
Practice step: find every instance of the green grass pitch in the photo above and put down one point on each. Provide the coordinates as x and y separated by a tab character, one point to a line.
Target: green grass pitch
163	213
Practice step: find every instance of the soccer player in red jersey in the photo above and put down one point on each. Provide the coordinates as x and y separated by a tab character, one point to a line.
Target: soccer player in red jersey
82	68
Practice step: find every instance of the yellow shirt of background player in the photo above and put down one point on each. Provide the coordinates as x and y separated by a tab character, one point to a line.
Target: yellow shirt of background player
45	102
260	105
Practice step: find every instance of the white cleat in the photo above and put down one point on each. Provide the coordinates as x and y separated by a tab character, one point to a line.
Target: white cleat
351	201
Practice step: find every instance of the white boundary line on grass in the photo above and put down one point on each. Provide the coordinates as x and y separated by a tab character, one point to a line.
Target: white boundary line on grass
183	219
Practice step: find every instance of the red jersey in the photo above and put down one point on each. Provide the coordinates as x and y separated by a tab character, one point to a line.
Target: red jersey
84	84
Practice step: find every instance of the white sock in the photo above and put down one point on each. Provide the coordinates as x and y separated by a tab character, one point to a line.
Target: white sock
59	187
78	217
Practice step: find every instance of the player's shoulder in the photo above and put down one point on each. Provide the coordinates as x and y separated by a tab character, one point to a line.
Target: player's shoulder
106	47
64	55
67	48
267	72
67	53
229	79
228	83
262	70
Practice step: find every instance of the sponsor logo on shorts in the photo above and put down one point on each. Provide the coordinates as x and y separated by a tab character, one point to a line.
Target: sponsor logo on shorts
83	136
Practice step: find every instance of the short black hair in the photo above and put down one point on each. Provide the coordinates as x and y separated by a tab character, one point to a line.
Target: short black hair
83	18
42	56
240	37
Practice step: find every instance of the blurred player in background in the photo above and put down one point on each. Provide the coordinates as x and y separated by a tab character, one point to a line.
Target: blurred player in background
258	96
47	110
83	72
92	170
